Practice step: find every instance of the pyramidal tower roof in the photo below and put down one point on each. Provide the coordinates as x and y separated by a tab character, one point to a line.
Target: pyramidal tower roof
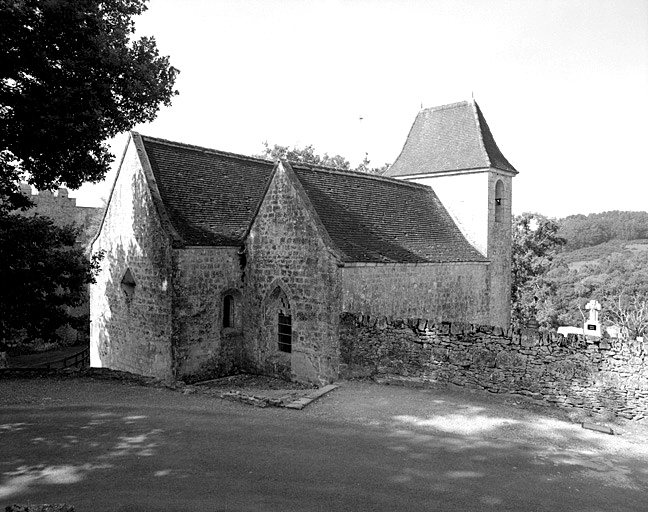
449	138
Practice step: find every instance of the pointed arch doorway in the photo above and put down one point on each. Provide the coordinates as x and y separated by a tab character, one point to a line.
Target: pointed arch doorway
277	334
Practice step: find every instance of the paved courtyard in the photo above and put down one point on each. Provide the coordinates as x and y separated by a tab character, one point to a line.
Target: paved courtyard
118	446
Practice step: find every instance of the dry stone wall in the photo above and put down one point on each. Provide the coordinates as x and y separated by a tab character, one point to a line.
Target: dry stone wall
599	375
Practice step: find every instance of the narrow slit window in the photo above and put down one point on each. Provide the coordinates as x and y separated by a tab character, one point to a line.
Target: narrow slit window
285	333
228	311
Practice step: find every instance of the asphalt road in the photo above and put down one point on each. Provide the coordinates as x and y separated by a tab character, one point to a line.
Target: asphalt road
113	447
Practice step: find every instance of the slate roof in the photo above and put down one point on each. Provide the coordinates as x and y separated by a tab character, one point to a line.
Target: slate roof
372	219
211	198
447	138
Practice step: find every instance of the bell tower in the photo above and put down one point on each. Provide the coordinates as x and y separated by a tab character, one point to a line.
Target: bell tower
451	149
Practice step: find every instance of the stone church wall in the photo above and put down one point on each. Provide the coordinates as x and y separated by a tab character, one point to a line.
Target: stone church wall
290	268
201	279
132	332
499	248
598	375
455	292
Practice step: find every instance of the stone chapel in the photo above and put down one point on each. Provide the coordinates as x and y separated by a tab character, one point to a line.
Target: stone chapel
217	262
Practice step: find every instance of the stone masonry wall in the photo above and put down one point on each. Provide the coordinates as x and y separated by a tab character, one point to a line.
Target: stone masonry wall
456	292
202	276
132	333
599	375
63	210
285	251
499	249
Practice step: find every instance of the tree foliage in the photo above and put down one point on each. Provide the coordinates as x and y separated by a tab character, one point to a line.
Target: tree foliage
535	244
308	155
558	266
597	228
44	274
619	281
72	76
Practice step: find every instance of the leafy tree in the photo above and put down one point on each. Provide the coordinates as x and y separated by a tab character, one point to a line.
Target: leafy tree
364	167
44	274
307	155
71	77
303	155
535	243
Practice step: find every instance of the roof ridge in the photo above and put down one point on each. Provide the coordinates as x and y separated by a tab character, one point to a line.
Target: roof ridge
448	106
480	129
494	155
291	175
359	174
205	149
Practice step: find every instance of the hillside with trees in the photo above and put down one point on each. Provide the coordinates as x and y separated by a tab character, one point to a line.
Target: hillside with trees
597	228
600	256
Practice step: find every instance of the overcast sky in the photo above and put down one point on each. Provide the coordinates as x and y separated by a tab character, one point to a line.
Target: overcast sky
563	84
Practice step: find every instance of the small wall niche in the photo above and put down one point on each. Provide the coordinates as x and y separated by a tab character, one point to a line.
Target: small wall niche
128	284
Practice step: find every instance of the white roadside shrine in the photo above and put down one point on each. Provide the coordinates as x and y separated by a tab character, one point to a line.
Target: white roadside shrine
592	326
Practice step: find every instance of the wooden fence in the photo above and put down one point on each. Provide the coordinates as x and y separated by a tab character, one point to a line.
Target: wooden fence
79	360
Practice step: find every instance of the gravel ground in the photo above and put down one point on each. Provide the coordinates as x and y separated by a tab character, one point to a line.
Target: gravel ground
481	416
477	415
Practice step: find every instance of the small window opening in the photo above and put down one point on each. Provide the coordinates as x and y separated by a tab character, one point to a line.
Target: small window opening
228	311
284	325
128	284
231	311
499	201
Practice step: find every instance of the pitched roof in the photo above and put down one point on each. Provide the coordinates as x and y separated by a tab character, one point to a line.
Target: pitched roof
449	138
211	197
371	219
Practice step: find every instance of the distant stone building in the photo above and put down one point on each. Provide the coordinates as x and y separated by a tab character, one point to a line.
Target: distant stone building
217	262
63	211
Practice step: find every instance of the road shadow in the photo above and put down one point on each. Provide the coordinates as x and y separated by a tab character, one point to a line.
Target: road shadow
117	458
